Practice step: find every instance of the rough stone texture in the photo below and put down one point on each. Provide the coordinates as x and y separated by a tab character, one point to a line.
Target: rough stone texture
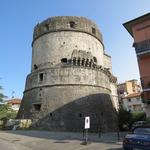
55	24
70	77
52	47
107	62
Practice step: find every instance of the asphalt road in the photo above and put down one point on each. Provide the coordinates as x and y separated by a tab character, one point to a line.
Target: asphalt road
45	140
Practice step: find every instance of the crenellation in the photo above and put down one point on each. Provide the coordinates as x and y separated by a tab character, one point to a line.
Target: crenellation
56	24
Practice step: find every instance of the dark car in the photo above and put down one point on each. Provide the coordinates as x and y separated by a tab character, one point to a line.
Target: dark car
137	124
138	140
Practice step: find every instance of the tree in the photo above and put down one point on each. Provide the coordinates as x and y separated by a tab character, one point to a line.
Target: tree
124	119
139	116
2	96
7	112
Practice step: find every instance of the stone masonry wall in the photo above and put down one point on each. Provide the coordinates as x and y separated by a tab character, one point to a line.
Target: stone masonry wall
53	47
70	77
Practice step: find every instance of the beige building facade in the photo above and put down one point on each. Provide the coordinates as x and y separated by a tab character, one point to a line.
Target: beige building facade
133	103
129	87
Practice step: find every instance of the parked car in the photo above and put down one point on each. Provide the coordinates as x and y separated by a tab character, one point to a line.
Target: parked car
139	139
137	124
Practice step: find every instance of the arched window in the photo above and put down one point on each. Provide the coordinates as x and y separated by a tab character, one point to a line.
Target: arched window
79	60
95	59
74	60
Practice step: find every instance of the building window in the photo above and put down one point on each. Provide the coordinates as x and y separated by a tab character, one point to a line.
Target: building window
51	114
64	60
95	59
129	100
93	30
35	66
137	107
41	77
129	108
47	27
37	107
72	24
80	115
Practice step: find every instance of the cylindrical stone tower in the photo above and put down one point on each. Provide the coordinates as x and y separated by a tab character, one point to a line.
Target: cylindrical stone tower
70	77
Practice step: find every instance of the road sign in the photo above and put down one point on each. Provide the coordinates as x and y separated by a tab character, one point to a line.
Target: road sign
87	122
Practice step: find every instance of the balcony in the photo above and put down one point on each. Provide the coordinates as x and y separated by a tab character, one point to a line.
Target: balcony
142	48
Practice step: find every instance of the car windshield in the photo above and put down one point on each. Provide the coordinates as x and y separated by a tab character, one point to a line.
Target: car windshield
142	131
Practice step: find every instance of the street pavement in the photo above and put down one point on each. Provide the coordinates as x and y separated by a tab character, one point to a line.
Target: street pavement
46	140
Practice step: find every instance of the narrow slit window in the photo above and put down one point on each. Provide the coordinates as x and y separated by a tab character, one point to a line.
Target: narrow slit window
47	27
35	66
93	30
80	115
41	77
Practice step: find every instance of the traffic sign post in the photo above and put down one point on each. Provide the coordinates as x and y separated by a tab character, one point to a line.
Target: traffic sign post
86	127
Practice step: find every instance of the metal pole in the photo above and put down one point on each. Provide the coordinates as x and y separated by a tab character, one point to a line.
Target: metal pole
99	133
118	135
86	136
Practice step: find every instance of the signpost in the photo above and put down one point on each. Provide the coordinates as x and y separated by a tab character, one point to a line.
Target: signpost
86	127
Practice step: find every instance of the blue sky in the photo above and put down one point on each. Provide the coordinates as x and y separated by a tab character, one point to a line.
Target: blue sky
18	18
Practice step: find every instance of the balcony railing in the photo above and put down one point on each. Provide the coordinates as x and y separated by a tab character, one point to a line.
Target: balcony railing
142	47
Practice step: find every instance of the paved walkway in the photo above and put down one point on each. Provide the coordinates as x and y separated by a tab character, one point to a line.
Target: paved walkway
44	140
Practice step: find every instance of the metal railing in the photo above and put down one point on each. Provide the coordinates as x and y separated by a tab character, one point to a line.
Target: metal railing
142	46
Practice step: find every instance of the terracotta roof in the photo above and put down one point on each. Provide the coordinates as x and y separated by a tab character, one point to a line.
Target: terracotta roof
133	95
14	101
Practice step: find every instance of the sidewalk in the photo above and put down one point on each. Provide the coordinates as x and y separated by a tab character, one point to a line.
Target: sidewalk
95	137
43	140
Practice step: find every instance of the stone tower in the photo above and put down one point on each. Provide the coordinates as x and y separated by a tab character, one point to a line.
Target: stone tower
70	77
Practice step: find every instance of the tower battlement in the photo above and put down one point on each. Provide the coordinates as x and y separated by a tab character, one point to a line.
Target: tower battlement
67	23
